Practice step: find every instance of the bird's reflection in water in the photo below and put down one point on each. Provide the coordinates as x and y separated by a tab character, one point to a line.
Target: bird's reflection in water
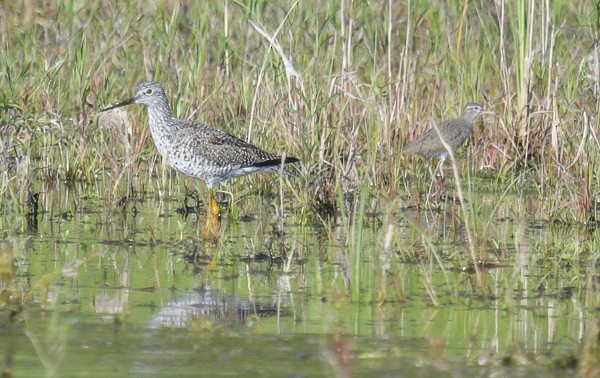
210	304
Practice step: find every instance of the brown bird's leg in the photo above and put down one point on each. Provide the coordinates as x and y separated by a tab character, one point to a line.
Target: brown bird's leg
436	195
439	195
429	199
211	231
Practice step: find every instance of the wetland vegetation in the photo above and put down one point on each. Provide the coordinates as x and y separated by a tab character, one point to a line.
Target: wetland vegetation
346	268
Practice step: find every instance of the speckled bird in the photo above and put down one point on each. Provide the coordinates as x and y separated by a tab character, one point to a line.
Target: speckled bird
454	132
198	150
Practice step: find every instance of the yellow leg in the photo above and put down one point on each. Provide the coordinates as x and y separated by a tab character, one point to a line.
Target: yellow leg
214	205
211	230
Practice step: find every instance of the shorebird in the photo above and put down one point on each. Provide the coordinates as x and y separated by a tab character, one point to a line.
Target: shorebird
198	150
454	132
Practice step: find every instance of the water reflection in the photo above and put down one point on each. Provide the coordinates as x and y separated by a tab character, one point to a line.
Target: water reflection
212	305
391	283
204	303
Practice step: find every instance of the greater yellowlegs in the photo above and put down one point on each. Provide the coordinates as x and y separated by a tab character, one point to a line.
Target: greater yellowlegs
198	150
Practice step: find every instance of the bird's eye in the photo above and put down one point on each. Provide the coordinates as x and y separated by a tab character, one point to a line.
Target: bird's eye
148	91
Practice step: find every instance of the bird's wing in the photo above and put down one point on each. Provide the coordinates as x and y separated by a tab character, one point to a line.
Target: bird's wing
222	148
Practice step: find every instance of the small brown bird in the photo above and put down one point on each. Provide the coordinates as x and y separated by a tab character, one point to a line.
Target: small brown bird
454	132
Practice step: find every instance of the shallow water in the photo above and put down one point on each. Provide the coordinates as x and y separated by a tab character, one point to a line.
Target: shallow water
108	290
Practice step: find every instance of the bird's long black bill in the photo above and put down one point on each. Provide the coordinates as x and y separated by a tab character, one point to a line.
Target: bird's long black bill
120	104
